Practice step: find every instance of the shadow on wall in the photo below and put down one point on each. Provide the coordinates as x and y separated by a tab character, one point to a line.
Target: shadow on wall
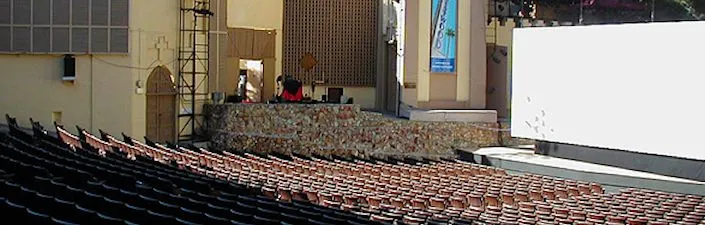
497	80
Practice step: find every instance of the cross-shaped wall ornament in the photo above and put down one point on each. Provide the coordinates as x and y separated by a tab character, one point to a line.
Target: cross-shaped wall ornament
161	45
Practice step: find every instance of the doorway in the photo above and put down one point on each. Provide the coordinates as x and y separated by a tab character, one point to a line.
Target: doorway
253	50
254	79
161	105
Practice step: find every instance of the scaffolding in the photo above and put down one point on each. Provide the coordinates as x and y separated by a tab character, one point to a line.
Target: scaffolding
193	68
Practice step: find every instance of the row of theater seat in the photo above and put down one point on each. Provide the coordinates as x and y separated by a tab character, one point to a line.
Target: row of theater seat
410	192
44	181
436	192
197	161
441	191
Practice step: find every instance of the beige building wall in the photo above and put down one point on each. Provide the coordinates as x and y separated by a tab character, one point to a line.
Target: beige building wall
478	55
410	71
148	53
501	34
464	89
31	87
99	98
269	15
258	15
218	45
104	94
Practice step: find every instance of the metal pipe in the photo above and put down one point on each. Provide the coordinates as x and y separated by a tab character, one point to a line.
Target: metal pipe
92	108
193	74
217	46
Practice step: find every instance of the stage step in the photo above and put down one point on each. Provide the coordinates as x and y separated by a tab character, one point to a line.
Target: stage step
520	161
455	115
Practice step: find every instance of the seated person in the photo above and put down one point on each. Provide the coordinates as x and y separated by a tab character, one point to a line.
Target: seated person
293	90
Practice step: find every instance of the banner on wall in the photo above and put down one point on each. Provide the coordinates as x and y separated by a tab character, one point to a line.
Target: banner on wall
443	36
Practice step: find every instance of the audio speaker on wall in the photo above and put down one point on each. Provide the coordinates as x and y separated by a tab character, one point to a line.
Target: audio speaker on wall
69	67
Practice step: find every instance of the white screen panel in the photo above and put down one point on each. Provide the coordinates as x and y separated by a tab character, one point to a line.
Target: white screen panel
635	87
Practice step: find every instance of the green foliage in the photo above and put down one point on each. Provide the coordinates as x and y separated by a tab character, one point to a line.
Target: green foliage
698	5
665	10
668	10
697	8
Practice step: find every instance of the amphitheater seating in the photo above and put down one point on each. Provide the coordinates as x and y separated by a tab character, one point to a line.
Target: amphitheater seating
334	191
42	182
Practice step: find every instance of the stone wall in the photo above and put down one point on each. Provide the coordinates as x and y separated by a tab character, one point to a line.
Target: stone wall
342	130
506	139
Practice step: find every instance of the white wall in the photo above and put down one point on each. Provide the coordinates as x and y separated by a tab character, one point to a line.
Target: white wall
635	87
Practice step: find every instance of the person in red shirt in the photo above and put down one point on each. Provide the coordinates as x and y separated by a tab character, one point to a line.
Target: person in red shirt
293	90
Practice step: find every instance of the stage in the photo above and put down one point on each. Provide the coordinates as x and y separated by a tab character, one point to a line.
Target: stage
659	164
613	178
341	130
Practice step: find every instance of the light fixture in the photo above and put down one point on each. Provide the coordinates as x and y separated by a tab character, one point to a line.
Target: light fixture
202	11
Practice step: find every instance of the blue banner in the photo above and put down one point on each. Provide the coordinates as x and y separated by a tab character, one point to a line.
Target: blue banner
444	35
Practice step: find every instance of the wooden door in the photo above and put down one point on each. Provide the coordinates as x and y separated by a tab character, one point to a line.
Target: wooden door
263	44
161	105
245	43
240	42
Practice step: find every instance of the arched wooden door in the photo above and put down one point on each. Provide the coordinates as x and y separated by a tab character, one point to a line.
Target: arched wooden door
161	105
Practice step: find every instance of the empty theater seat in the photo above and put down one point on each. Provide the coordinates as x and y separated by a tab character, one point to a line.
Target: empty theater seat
44	182
106	180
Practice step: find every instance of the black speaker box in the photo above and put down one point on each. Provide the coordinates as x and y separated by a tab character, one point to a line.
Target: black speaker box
69	66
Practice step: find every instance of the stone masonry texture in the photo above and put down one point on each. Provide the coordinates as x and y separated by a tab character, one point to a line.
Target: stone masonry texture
341	130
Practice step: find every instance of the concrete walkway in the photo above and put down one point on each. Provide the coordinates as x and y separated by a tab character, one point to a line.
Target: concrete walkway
613	178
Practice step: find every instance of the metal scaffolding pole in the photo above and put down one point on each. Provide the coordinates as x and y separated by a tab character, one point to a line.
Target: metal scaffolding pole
194	68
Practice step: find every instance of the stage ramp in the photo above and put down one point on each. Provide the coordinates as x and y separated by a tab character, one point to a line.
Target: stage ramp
519	161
